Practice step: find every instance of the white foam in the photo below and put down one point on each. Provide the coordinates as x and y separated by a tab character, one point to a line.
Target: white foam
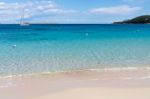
71	71
120	69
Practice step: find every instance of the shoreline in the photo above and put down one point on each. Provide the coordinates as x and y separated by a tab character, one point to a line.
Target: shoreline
89	84
76	71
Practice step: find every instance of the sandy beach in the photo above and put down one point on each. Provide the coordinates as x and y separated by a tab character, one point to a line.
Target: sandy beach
74	49
125	84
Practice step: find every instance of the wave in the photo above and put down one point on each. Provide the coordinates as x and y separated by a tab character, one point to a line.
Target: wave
76	71
129	73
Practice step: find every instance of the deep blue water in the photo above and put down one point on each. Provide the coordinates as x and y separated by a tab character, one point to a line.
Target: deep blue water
50	48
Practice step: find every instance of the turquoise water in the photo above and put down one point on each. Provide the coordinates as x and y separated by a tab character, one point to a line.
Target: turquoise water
54	48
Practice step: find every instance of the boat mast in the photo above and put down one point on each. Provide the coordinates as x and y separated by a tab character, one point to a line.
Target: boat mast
22	17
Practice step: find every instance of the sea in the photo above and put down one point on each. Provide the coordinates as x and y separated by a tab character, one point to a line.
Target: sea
40	48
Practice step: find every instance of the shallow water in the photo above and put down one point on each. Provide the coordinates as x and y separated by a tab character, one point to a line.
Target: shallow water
51	48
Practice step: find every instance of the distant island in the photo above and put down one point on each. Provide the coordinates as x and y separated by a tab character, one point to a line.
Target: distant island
145	19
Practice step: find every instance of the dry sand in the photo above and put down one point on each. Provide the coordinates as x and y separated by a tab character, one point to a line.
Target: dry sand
127	84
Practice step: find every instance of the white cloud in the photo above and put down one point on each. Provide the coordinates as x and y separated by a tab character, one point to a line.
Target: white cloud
123	9
13	11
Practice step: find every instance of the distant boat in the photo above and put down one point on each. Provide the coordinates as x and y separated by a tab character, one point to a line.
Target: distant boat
22	23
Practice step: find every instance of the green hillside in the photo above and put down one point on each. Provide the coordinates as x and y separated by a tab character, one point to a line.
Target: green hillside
145	19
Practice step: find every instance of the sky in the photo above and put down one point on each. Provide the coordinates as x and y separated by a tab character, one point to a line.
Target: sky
71	11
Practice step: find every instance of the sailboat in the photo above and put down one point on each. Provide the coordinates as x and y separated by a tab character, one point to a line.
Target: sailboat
22	23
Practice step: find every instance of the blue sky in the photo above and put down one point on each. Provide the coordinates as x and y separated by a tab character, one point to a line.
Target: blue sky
72	11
